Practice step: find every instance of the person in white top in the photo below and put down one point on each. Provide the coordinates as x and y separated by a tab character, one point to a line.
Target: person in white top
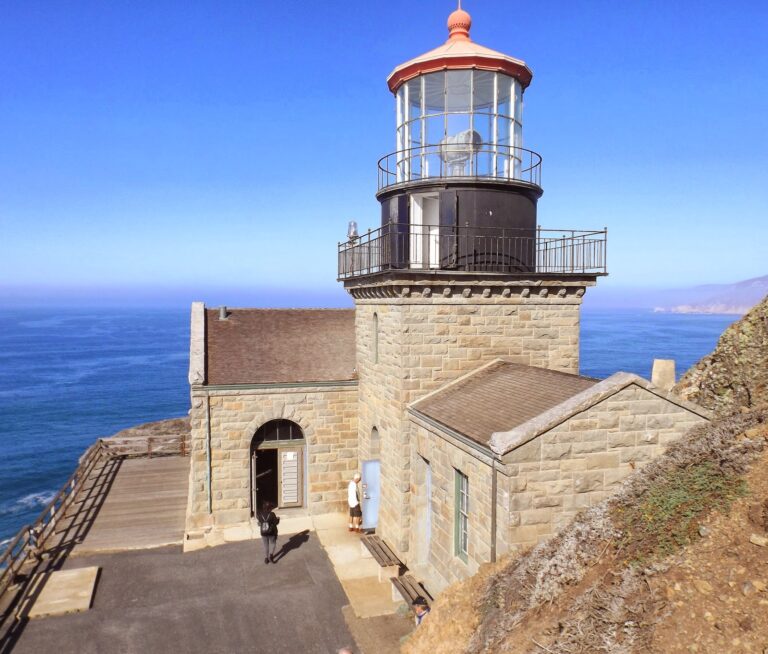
353	498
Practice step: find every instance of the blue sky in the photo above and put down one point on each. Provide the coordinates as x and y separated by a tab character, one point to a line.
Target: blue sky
173	151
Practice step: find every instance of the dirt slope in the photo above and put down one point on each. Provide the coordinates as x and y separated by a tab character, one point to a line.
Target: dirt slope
736	373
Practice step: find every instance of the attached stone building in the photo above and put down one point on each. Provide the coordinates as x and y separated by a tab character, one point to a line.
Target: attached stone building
274	405
506	455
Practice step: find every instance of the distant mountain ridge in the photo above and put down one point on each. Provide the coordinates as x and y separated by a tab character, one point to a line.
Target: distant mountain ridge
736	298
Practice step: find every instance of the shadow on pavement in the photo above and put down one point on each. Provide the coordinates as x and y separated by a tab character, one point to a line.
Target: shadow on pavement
293	543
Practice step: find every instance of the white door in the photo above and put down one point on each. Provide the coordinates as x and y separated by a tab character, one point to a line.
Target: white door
290	477
425	231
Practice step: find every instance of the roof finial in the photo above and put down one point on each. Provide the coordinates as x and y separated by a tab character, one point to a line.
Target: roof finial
459	23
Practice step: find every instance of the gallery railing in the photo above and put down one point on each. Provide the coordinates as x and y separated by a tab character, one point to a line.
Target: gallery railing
455	160
474	249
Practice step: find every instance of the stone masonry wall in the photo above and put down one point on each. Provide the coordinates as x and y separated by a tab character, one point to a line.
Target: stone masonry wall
430	336
544	483
446	455
327	416
578	463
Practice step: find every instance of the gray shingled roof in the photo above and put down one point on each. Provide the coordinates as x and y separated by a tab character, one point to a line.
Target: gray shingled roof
499	397
258	346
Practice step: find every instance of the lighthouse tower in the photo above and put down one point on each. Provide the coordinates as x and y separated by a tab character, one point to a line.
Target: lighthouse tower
459	271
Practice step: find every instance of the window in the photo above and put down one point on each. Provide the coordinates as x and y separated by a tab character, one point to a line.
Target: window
461	534
279	430
375	337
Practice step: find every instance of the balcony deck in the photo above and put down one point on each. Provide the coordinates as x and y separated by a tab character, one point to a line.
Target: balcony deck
462	250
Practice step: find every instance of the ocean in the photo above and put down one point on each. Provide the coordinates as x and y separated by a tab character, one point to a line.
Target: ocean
69	376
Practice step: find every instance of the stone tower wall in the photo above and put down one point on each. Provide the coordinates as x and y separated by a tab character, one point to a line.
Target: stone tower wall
429	335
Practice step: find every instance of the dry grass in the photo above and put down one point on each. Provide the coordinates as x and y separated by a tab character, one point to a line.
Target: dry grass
454	617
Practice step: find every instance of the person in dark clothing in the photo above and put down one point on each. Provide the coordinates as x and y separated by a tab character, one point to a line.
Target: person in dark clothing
420	608
268	528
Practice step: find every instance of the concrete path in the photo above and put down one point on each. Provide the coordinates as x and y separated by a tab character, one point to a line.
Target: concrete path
144	507
356	569
221	599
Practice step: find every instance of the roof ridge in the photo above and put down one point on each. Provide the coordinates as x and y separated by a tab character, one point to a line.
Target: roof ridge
577	375
503	442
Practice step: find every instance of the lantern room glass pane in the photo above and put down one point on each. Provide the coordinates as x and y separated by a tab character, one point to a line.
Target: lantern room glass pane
457	123
414	99
458	90
434	93
483	125
414	130
504	96
435	129
518	93
482	91
503	130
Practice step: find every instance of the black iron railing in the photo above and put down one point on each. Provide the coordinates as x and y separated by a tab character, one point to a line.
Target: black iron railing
474	249
456	160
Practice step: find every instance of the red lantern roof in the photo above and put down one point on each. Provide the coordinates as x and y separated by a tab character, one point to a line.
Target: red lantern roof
459	52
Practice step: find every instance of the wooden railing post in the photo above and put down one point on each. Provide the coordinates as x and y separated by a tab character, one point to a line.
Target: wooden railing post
149	447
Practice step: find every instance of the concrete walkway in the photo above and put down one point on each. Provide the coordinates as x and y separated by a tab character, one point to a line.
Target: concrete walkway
221	599
356	569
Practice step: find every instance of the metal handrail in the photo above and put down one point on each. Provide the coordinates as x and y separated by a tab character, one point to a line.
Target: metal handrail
31	538
515	251
22	545
460	160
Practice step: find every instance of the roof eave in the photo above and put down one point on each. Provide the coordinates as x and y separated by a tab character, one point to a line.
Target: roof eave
410	70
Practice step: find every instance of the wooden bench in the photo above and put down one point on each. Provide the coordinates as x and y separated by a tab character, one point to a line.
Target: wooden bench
389	564
410	589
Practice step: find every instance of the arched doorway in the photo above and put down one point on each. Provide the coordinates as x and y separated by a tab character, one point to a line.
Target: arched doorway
277	465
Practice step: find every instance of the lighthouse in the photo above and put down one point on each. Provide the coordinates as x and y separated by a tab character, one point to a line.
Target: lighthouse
459	271
460	183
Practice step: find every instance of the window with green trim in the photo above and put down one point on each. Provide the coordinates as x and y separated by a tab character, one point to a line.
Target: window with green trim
461	521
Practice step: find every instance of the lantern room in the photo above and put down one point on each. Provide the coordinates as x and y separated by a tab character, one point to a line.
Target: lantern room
459	193
460	113
459	123
459	159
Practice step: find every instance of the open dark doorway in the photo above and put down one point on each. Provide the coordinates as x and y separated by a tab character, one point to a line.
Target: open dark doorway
277	465
265	477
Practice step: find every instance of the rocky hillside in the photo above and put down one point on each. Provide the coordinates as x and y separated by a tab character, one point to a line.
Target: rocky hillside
172	427
735	375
